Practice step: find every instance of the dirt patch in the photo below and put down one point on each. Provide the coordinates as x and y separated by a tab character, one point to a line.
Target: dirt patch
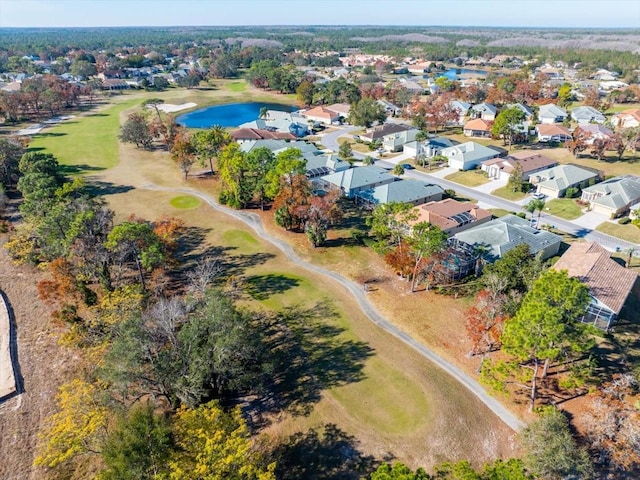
44	365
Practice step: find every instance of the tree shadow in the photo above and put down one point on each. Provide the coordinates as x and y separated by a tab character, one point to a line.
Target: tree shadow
262	287
78	169
322	453
97	115
102	189
236	265
49	134
309	356
13	350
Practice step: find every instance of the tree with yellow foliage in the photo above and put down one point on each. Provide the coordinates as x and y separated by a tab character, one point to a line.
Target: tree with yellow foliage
214	445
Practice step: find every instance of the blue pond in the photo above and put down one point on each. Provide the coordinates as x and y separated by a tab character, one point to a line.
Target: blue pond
229	115
454	73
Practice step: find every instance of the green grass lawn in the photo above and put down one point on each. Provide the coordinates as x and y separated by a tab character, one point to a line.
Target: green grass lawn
469	178
237	86
499	212
184	201
629	232
565	208
86	143
355	146
507	193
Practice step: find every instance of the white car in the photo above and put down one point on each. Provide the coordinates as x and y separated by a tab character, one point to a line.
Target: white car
539	196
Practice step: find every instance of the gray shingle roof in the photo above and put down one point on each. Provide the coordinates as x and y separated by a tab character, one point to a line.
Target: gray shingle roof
406	191
359	177
562	177
618	192
505	233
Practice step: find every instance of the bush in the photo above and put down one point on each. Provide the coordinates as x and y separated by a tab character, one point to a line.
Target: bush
521	215
624	221
449	193
572	192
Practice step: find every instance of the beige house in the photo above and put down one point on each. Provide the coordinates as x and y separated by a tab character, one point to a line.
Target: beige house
477	128
610	284
321	115
613	197
554	182
452	216
530	162
626	118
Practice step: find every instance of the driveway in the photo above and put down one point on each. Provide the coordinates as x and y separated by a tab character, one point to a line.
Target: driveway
591	220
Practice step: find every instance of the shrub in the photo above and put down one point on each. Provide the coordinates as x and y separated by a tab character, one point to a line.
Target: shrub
624	221
449	193
521	215
571	192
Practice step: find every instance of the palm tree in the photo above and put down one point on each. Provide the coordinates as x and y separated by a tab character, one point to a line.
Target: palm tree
264	112
368	160
630	251
420	137
535	204
398	170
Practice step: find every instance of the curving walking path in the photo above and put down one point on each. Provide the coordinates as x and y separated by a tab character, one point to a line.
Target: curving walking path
253	220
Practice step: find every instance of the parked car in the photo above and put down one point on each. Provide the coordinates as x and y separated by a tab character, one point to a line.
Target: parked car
408	166
539	196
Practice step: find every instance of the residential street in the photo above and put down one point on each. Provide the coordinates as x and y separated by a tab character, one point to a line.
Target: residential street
580	228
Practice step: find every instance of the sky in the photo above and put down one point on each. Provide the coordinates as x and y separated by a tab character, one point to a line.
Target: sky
500	13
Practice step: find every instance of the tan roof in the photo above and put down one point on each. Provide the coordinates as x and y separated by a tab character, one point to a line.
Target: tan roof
545	129
608	281
478	124
631	112
532	161
259	134
320	112
340	108
440	213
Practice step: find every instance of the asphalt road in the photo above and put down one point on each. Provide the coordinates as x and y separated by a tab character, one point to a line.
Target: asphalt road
609	242
357	291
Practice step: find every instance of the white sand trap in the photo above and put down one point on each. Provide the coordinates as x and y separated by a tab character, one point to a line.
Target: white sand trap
170	107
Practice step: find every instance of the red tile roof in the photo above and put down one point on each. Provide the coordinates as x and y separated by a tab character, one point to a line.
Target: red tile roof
478	124
608	281
259	134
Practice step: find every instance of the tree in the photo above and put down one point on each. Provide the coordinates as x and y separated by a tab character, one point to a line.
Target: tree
292	200
506	124
138	447
368	160
551	452
260	161
11	150
388	223
136	130
209	143
399	471
599	147
398	170
215	445
304	93
546	327
365	112
515	178
344	151
73	429
137	242
425	240
592	98
289	163
564	94
537	204
183	152
485	321
82	68
318	214
578	143
233	168
612	423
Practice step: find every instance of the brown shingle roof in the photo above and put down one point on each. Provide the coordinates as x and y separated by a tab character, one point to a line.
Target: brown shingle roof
440	213
546	129
609	282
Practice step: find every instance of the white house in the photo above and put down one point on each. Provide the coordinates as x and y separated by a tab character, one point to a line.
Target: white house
550	113
468	155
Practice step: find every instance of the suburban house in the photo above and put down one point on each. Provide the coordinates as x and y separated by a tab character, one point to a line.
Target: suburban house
411	85
530	162
393	142
462	108
279	121
485	111
429	148
595	132
321	115
277	146
380	131
452	216
319	165
555	181
415	192
610	284
242	135
626	118
499	236
468	155
477	128
553	133
551	113
356	180
389	108
586	114
341	109
613	197
528	116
